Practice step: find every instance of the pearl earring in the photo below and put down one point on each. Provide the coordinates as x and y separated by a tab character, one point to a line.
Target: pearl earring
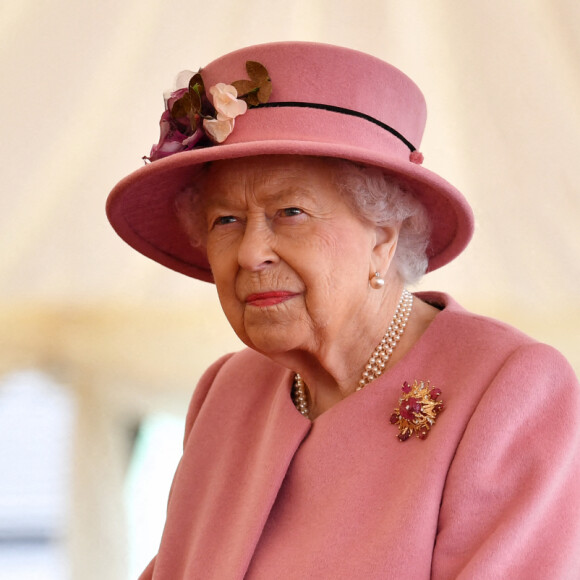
376	281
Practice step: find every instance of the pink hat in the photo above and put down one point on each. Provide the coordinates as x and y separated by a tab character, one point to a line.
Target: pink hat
325	101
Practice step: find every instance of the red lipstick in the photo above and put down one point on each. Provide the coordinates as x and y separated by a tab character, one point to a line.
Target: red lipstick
263	299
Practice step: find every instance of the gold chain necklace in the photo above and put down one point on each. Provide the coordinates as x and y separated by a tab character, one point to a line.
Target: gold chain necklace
378	360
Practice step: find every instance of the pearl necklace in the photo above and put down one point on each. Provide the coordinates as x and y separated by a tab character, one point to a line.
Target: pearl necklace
378	360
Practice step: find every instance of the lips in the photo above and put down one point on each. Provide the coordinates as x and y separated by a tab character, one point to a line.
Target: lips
264	299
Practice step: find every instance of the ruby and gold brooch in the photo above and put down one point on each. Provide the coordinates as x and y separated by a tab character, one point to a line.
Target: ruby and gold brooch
419	407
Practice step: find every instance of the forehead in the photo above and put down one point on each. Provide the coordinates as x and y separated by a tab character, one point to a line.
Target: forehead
267	176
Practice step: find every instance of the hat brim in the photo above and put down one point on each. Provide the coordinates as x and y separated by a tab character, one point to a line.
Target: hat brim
141	207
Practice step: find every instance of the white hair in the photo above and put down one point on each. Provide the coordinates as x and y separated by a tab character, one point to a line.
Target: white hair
374	197
382	200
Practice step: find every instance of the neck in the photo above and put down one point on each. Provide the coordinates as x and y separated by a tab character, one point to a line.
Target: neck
359	365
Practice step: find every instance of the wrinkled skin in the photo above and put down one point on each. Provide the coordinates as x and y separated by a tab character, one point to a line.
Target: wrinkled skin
292	265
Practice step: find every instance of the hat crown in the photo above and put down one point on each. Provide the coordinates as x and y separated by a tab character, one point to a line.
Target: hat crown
333	77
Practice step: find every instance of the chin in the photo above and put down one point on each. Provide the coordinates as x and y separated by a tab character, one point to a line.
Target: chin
270	333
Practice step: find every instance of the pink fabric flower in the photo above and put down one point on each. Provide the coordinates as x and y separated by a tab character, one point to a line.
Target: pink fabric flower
228	107
218	130
226	102
172	97
191	120
170	139
180	88
194	139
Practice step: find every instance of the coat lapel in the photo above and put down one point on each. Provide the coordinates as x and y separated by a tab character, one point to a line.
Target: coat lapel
234	462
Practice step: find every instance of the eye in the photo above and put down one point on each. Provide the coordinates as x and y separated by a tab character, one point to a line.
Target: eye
290	211
224	220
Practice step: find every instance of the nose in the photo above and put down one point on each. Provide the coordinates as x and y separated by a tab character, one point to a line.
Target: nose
256	251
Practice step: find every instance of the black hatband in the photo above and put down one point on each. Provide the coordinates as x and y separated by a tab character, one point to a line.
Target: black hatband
341	110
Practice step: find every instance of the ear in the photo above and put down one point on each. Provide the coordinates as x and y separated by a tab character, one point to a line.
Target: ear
386	238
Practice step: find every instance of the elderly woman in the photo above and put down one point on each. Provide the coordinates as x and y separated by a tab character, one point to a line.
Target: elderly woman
365	432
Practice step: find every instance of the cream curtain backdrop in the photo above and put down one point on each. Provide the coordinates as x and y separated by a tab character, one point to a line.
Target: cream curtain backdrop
81	97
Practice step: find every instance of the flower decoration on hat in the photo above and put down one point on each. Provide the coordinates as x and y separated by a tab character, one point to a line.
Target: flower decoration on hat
191	120
419	407
258	89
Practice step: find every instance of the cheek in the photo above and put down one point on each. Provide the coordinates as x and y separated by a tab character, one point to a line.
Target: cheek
224	272
347	254
222	259
335	267
232	308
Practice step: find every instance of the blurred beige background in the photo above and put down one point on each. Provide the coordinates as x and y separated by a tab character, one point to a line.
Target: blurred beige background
81	97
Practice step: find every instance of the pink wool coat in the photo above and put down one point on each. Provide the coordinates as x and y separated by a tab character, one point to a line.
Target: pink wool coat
264	493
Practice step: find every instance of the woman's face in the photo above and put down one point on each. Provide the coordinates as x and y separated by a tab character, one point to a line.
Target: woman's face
290	260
